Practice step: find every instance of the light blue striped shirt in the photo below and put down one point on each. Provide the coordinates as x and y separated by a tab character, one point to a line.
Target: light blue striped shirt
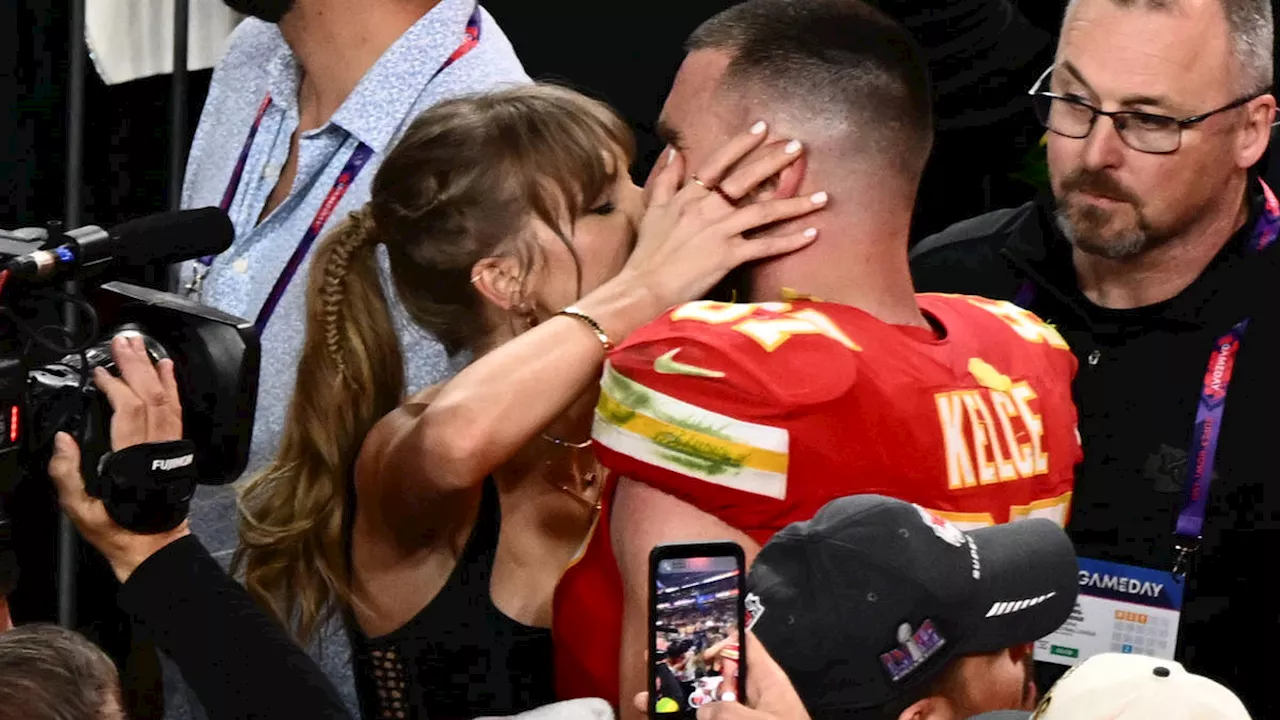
389	96
394	91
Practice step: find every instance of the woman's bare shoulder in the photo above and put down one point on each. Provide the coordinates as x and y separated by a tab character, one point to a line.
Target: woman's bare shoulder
393	424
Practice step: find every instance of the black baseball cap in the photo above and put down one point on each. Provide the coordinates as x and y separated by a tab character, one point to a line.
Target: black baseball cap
864	605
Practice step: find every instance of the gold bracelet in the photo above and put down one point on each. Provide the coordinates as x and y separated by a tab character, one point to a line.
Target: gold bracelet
573	312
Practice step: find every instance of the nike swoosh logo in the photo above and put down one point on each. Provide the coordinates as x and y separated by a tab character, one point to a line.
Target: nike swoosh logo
666	364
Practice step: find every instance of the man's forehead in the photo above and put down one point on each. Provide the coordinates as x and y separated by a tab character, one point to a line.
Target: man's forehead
1180	52
699	76
695	100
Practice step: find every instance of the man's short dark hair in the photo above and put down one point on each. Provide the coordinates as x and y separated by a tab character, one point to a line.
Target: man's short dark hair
50	673
831	59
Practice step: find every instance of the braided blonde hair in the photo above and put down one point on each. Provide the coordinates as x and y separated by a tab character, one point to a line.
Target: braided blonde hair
350	374
359	235
462	185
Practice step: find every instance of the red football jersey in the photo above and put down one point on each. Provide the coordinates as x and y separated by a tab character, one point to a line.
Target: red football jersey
760	414
587	616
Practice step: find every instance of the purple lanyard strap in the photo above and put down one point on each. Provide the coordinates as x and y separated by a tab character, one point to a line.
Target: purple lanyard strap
359	158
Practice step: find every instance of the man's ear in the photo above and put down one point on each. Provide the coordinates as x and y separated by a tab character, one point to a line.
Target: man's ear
498	280
785	184
1256	133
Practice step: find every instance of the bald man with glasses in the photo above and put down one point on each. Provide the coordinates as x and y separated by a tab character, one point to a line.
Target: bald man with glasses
1155	256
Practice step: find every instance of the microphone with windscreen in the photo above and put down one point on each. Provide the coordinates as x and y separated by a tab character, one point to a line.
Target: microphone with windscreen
165	238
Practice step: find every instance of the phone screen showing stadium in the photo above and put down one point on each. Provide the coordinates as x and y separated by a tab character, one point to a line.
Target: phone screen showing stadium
696	615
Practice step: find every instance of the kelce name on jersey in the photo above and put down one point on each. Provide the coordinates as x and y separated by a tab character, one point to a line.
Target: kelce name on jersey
991	436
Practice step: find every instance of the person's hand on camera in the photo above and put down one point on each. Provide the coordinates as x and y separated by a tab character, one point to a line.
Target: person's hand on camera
770	695
146	409
691	235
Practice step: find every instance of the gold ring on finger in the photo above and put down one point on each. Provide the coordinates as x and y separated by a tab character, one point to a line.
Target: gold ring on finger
713	188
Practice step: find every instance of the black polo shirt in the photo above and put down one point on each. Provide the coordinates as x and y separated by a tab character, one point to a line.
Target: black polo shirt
1137	390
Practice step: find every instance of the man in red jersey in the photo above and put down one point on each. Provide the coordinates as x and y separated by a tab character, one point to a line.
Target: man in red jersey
728	421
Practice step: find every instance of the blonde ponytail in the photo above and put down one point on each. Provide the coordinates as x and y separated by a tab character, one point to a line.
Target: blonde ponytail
458	187
292	515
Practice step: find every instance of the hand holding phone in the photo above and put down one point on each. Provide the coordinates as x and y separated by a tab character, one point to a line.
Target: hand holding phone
770	697
696	594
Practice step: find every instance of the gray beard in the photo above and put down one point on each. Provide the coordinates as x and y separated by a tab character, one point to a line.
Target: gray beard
1091	240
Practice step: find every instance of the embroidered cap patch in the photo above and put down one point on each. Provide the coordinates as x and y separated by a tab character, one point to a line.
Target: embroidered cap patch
914	648
942	528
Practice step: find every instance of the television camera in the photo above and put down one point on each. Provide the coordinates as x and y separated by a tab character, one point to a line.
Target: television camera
53	334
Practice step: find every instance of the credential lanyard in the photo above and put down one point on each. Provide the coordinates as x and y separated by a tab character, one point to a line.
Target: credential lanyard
1212	405
359	158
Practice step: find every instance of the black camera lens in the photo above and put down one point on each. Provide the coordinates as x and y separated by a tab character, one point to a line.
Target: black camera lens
100	355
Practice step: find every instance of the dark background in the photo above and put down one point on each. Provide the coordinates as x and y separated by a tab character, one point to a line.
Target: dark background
625	57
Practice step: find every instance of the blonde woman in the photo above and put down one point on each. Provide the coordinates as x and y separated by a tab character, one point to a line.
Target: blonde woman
440	524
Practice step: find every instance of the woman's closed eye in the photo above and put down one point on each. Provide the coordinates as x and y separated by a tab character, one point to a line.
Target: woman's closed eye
604	208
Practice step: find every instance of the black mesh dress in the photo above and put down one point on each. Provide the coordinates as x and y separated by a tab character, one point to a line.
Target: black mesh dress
460	657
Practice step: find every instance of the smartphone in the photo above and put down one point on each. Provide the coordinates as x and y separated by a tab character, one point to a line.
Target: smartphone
696	594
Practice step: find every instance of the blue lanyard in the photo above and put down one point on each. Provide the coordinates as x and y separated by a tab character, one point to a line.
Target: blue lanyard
359	158
1212	404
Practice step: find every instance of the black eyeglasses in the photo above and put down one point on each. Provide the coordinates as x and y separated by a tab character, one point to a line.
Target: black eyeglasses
1145	132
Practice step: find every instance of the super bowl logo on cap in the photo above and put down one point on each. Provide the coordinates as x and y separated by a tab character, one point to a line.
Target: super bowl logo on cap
942	528
753	610
914	648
